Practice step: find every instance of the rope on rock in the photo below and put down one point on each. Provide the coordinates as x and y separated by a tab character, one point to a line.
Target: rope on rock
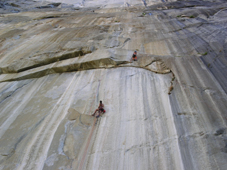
90	135
86	147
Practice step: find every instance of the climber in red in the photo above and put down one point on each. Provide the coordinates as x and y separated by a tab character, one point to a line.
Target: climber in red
100	110
134	56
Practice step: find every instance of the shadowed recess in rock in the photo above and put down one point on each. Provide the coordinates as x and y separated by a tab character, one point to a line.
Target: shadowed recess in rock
167	110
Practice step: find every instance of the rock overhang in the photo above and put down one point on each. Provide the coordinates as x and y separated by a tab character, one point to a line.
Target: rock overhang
57	63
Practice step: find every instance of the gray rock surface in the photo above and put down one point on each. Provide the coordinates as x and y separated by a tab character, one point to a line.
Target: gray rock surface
165	111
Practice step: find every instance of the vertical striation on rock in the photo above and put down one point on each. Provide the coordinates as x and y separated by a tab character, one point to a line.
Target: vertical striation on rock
167	110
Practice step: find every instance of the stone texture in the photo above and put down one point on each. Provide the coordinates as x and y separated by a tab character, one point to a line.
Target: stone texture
165	111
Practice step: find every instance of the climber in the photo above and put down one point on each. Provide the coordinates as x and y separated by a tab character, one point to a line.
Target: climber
134	56
100	110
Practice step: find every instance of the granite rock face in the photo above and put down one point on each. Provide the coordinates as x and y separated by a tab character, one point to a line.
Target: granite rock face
167	110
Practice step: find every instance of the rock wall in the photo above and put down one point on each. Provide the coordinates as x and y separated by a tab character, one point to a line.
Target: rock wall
165	111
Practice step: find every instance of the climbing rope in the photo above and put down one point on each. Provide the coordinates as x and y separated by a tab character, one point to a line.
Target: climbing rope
86	147
90	135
